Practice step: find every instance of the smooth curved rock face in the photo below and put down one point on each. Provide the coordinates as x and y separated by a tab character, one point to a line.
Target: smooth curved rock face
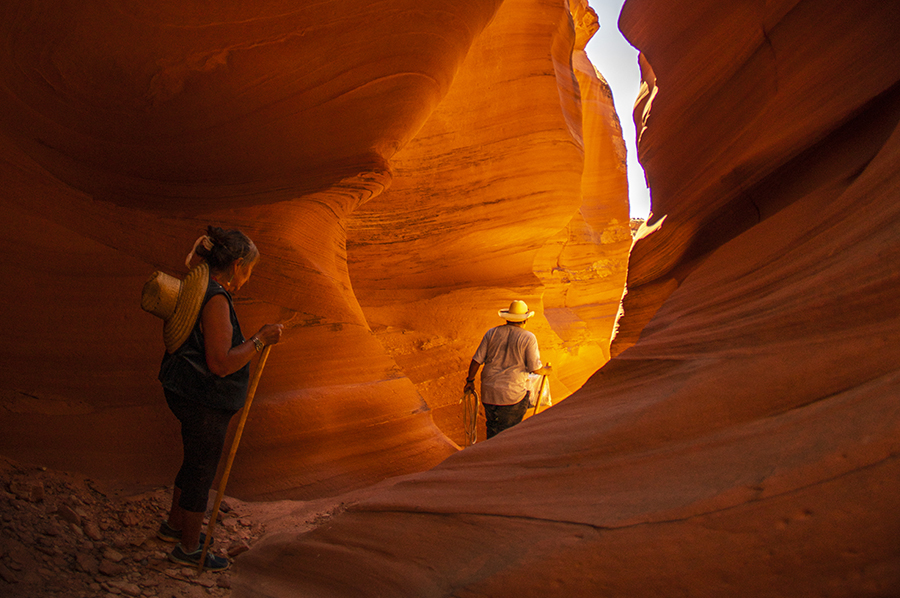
126	128
520	148
743	442
168	103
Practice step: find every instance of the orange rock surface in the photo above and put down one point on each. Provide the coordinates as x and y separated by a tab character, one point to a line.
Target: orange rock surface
743	441
405	168
125	128
478	196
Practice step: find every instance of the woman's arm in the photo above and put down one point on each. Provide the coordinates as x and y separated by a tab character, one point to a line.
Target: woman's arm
221	358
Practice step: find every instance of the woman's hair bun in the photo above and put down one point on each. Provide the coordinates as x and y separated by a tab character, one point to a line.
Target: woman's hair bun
227	246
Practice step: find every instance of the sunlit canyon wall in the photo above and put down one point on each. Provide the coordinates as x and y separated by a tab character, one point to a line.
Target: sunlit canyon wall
514	188
406	168
743	440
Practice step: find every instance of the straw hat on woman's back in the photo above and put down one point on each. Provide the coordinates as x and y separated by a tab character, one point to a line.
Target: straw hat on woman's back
177	302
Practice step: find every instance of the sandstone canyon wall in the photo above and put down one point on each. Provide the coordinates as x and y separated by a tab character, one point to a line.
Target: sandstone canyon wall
126	127
525	144
743	440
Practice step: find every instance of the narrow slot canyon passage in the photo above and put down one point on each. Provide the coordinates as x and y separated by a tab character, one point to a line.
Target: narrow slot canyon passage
724	420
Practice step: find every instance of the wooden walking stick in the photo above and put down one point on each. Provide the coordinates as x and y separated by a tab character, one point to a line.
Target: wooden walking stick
254	382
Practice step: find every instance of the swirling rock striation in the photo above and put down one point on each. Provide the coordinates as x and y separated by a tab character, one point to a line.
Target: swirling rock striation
744	439
514	188
125	128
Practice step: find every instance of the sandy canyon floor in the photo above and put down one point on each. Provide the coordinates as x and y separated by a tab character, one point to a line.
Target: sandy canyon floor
69	536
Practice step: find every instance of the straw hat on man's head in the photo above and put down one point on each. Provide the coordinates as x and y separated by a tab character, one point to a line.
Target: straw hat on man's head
177	302
517	312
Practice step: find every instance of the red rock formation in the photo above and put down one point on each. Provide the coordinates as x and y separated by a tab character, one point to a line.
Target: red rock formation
125	129
743	442
471	218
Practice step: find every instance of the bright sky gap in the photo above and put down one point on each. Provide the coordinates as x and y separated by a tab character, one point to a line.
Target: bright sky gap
617	61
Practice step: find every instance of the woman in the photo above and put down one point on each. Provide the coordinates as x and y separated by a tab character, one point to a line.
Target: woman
205	380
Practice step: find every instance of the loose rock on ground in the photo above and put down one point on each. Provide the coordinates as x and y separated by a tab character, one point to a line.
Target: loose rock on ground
65	535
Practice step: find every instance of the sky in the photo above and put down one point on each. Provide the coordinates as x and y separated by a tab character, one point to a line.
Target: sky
616	60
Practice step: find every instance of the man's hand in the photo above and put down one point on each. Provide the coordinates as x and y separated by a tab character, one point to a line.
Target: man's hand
544	371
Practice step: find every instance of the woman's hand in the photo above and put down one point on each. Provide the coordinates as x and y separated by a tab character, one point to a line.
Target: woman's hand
270	334
221	358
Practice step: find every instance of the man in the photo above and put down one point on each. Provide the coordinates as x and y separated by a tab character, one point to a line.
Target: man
509	354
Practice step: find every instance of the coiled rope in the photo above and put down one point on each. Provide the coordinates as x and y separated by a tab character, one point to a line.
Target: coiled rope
470	415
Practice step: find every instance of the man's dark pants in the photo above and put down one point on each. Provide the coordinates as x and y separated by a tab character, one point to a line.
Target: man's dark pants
500	417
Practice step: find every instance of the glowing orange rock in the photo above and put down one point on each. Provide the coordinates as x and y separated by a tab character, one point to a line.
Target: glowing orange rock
743	440
514	188
125	130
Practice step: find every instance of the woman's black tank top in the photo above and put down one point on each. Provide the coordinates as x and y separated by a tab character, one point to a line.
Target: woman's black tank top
185	372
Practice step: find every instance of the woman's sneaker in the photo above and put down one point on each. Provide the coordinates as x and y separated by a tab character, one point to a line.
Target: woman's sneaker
213	563
167	533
